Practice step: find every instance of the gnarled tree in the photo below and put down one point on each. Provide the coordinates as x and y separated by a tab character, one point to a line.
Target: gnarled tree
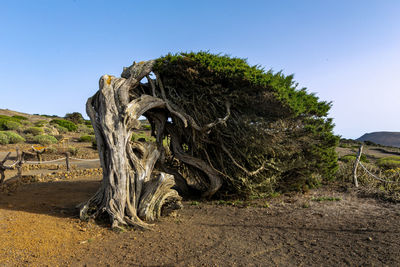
231	129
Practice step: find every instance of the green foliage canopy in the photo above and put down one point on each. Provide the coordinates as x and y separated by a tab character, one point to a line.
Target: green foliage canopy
66	124
274	127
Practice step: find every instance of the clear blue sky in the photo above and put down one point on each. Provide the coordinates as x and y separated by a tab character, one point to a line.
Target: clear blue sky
52	53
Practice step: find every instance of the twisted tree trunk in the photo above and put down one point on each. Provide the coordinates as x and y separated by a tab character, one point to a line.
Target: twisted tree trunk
130	192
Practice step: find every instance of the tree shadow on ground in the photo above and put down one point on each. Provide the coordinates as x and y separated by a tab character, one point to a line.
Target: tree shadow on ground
349	229
58	198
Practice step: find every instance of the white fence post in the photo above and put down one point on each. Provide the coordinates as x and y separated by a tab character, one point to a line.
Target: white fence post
356	164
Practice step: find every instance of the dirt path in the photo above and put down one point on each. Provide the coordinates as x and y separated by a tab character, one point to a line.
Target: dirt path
38	226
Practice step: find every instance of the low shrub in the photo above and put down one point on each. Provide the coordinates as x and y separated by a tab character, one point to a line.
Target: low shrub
146	127
8	118
45	139
14	138
74	117
3	139
29	137
19	117
352	158
6	124
61	130
51	150
142	136
87	138
34	131
88	130
66	124
392	162
73	150
40	123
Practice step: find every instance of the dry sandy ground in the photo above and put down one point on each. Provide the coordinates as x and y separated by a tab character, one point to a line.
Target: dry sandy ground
39	227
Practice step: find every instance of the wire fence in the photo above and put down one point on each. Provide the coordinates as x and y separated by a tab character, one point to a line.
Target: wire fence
374	176
358	162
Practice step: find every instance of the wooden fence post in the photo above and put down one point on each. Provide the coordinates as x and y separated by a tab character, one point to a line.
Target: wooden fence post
3	168
356	164
67	160
39	157
20	161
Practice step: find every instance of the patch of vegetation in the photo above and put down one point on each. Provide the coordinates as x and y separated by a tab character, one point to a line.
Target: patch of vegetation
47	116
74	117
45	139
9	123
142	136
66	124
40	123
73	150
352	158
3	139
61	130
19	117
291	136
87	138
88	130
13	138
392	162
34	131
325	198
146	127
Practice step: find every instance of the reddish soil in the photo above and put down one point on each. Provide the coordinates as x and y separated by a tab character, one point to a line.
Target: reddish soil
39	227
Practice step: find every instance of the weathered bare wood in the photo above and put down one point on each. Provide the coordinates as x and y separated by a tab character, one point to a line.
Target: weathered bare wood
17	164
128	181
67	161
355	166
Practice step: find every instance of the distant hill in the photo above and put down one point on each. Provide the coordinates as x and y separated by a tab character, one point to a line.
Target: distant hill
382	138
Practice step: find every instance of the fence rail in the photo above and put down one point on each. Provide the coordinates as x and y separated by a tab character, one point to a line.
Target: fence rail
20	160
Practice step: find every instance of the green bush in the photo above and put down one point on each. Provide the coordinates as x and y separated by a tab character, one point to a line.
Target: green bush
7	124
66	124
61	130
19	117
13	138
74	117
3	139
352	158
83	128
146	127
45	139
392	162
73	150
40	123
87	138
8	118
34	130
138	136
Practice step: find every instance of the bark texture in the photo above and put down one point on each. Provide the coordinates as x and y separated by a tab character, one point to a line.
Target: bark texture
131	191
